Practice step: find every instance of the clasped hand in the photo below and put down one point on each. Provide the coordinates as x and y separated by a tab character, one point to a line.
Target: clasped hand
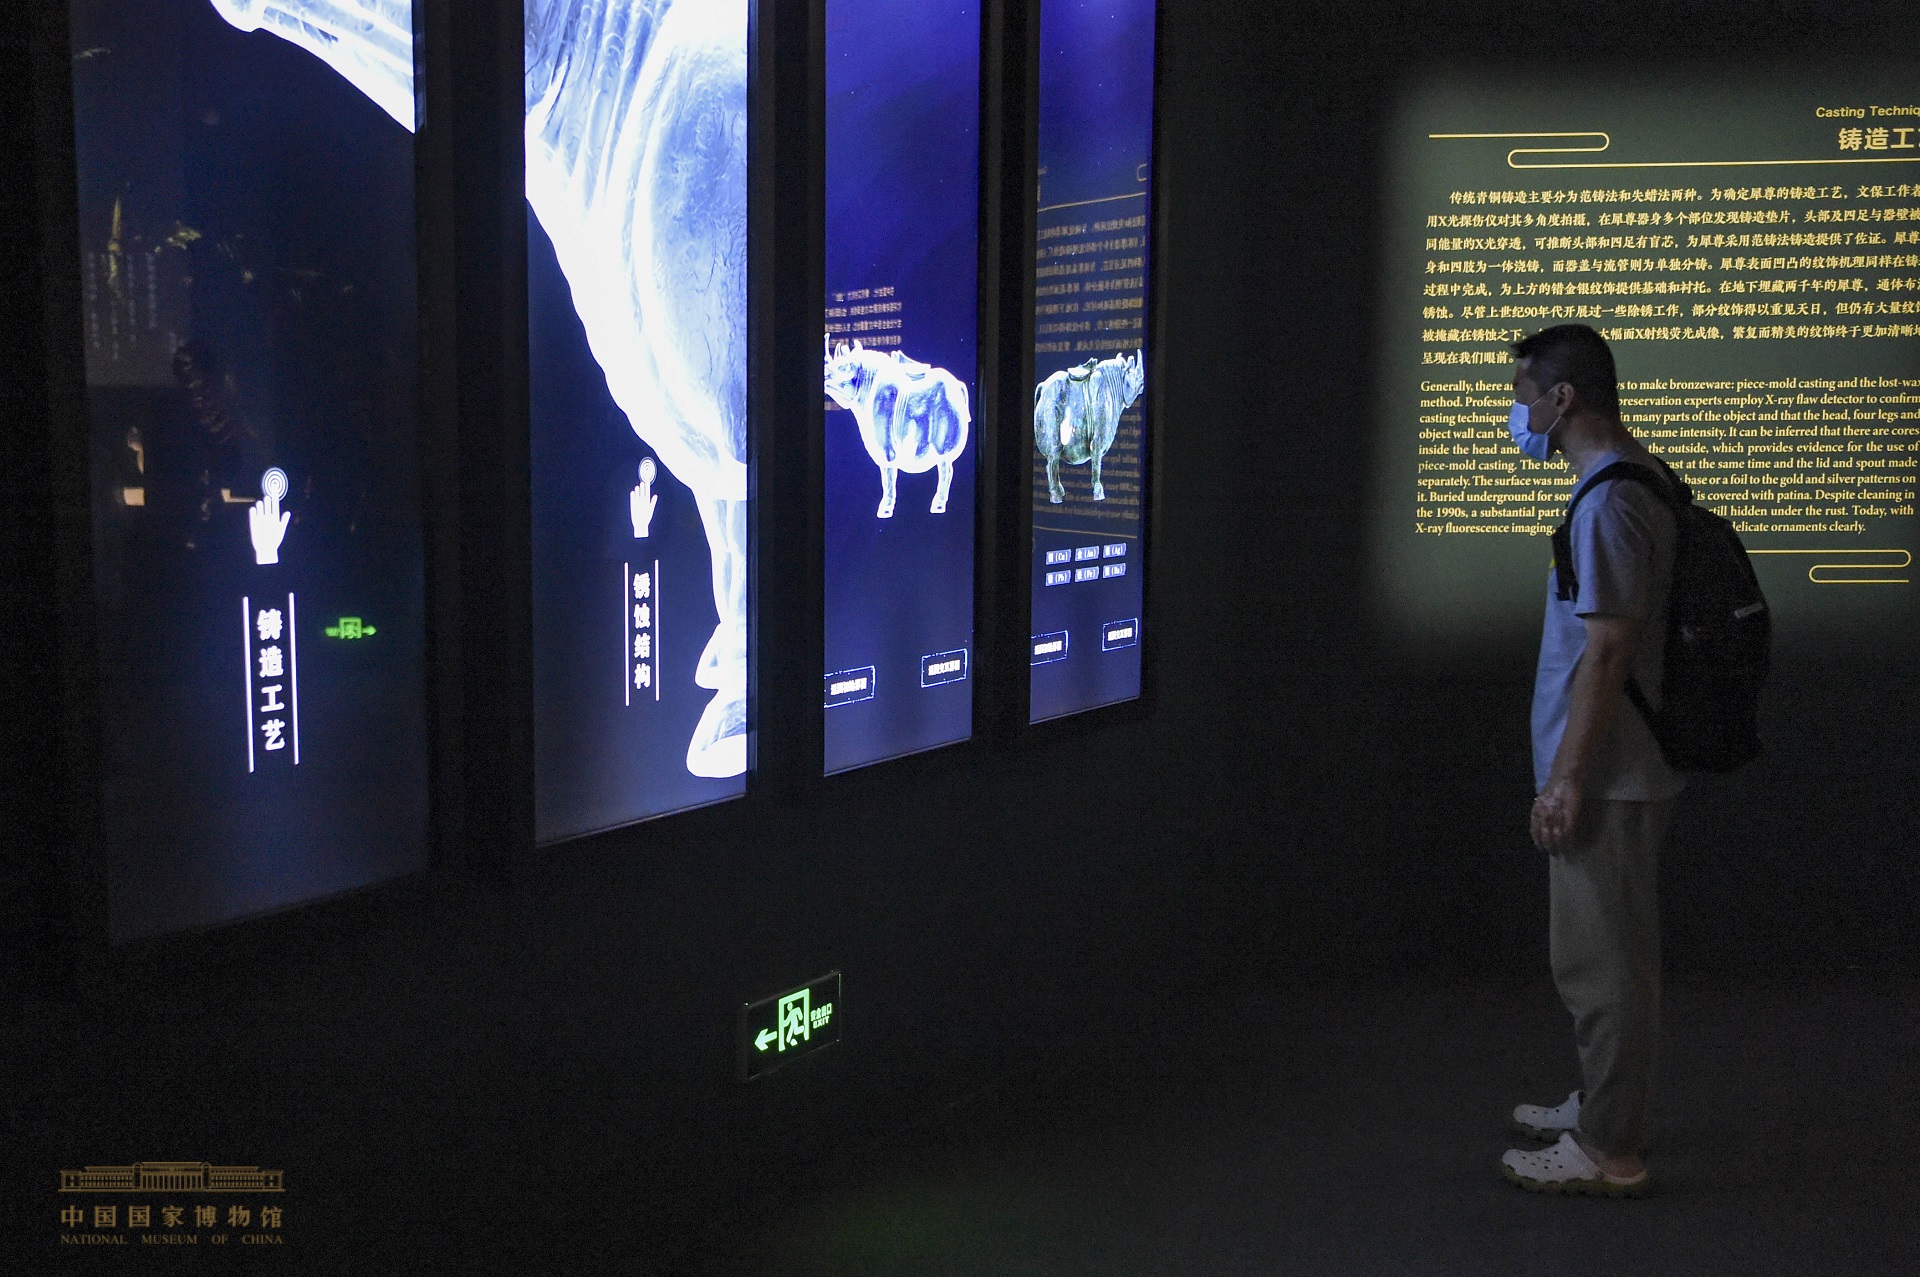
1556	816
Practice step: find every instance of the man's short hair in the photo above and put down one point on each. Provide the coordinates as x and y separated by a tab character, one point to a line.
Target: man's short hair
1577	355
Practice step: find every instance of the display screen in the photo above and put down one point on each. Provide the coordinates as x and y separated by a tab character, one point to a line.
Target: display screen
903	179
1090	356
636	136
246	214
1750	248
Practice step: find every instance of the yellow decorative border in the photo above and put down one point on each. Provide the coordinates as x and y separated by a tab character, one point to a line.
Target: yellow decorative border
1606	141
1898	560
1104	199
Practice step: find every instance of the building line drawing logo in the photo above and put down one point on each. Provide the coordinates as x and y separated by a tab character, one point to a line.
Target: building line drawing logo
189	1177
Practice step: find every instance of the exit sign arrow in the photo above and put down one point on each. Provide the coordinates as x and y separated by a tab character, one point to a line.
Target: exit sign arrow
766	1038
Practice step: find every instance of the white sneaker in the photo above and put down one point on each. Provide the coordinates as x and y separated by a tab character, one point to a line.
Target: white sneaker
1566	1168
1544	1123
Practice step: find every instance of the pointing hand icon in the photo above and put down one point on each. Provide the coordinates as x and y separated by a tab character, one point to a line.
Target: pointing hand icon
266	521
642	500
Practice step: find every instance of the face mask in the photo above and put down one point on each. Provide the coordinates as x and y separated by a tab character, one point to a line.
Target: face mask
1537	446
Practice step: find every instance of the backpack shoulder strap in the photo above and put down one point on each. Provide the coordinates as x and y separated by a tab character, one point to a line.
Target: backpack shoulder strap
1678	489
1667	484
1670	488
1565	584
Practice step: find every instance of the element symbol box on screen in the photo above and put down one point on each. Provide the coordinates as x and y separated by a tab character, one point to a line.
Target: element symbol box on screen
1049	647
849	686
943	667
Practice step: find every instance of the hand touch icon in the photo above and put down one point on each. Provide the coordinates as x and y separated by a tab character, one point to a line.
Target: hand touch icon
266	521
642	501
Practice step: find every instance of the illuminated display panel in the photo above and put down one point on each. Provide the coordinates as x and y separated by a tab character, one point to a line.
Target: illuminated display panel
1090	352
1750	247
636	278
246	210
903	146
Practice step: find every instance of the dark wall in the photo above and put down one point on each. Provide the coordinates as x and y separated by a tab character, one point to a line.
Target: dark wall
1309	797
1385	786
44	535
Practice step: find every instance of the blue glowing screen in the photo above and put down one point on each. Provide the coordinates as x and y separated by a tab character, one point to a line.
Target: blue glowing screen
902	317
246	205
1090	348
636	306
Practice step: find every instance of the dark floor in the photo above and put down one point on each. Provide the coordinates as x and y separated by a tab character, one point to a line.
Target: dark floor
433	1119
1322	1132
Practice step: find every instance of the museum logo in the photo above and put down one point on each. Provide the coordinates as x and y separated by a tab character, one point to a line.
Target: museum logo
170	1207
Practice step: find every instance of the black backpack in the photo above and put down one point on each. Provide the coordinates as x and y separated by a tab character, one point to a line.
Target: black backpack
1719	631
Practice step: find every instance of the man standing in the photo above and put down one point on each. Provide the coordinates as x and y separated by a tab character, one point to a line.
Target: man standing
1605	792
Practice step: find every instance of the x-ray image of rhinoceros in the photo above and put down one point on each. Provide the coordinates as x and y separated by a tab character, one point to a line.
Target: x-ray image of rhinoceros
636	168
912	416
1076	413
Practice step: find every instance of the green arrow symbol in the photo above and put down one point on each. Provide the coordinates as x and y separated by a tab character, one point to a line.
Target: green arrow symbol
765	1039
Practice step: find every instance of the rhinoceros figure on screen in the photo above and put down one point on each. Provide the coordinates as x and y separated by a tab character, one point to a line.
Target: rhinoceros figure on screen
636	141
912	416
1076	413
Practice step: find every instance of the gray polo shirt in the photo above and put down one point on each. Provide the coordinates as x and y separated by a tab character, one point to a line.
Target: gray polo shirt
1622	538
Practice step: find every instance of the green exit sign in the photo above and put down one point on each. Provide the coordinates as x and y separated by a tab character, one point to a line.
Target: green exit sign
786	1026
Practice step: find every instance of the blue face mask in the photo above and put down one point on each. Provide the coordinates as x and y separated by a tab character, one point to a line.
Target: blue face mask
1537	446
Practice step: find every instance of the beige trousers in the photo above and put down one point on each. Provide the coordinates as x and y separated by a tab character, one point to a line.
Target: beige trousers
1605	942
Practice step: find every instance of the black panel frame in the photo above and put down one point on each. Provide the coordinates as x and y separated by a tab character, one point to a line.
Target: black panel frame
1003	299
472	244
1073	725
786	278
1010	78
474	438
471	407
66	878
